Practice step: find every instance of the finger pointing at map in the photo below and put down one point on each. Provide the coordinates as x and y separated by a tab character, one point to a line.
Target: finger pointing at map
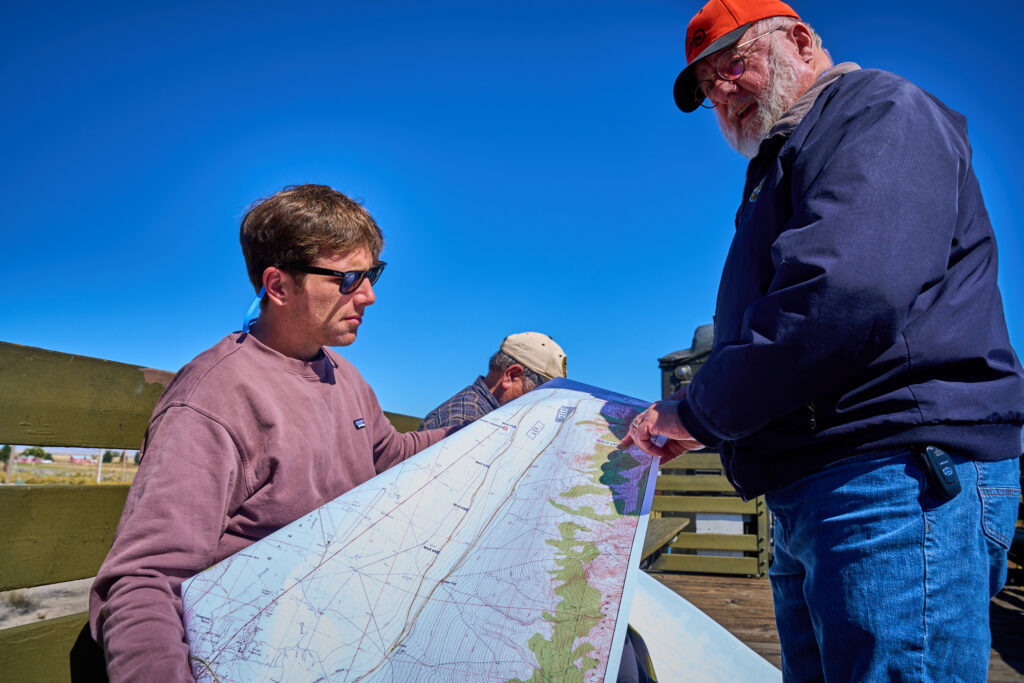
661	419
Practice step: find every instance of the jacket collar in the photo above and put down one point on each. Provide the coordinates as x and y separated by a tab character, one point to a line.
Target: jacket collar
787	123
792	117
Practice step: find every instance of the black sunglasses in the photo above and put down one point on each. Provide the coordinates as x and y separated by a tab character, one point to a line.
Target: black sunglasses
350	279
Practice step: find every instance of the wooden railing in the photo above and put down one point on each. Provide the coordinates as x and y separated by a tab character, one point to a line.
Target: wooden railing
693	488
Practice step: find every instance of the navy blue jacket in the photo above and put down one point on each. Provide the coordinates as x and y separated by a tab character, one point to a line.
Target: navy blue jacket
858	308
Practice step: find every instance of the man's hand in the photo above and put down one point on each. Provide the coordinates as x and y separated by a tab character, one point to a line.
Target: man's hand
662	417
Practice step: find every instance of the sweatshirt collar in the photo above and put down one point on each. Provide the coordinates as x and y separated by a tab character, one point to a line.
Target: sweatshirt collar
321	368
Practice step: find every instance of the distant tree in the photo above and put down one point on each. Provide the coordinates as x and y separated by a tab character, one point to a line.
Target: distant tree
5	453
36	451
109	455
138	457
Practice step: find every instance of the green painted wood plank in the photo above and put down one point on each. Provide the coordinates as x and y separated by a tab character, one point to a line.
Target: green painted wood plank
694	461
56	533
723	504
404	423
59	399
686	483
705	564
691	541
661	530
39	651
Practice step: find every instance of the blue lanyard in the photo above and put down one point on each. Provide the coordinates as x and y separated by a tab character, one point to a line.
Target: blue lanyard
254	311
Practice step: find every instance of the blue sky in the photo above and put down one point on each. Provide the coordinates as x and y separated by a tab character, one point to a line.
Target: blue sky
524	159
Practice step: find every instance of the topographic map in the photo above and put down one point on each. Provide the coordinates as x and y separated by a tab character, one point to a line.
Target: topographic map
498	554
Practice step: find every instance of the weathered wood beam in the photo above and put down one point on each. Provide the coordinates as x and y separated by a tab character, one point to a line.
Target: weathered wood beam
39	651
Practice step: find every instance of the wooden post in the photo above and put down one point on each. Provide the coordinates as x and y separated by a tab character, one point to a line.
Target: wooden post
99	468
124	464
10	464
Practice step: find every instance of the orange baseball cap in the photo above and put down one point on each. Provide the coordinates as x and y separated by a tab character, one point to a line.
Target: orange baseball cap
718	25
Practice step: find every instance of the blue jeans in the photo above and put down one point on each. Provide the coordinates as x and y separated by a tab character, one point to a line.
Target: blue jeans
877	579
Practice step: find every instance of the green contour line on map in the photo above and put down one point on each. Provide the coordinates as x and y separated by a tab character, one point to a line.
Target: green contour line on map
583	490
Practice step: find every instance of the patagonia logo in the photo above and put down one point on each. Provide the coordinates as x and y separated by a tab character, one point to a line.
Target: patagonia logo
697	39
757	192
360	423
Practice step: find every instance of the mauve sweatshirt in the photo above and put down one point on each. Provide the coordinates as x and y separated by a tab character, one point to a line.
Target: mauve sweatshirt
243	441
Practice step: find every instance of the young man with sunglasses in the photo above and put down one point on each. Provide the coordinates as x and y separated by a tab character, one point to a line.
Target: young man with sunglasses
861	376
264	427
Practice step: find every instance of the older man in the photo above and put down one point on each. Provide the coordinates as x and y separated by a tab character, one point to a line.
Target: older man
861	375
523	362
255	432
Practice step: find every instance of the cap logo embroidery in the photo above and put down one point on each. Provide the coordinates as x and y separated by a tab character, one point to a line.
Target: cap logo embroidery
698	38
360	423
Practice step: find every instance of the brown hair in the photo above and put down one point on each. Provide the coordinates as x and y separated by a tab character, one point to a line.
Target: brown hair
294	225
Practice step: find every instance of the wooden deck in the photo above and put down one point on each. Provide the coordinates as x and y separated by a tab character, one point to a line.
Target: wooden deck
744	607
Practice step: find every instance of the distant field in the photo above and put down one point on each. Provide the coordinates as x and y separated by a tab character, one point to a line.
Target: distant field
63	472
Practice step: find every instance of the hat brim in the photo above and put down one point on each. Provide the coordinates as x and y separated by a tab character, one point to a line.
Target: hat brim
685	88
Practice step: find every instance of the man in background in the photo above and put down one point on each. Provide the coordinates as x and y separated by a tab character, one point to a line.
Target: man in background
264	427
861	376
522	363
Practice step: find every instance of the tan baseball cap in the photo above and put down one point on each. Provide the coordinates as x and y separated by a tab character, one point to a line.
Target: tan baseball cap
536	351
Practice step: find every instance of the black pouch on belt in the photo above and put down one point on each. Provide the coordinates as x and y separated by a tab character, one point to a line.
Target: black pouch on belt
941	473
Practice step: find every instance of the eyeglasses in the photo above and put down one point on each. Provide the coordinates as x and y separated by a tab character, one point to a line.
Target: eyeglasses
729	66
350	279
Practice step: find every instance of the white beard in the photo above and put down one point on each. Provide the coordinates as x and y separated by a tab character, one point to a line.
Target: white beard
784	80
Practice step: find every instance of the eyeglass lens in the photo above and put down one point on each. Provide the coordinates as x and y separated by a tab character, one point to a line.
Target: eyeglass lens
729	66
352	278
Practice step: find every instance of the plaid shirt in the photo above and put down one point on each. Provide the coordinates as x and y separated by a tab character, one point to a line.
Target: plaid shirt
471	403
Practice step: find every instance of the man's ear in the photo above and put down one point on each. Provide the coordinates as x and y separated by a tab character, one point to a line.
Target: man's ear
511	375
801	37
278	285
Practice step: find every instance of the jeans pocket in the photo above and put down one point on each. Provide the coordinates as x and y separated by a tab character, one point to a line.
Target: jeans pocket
999	503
